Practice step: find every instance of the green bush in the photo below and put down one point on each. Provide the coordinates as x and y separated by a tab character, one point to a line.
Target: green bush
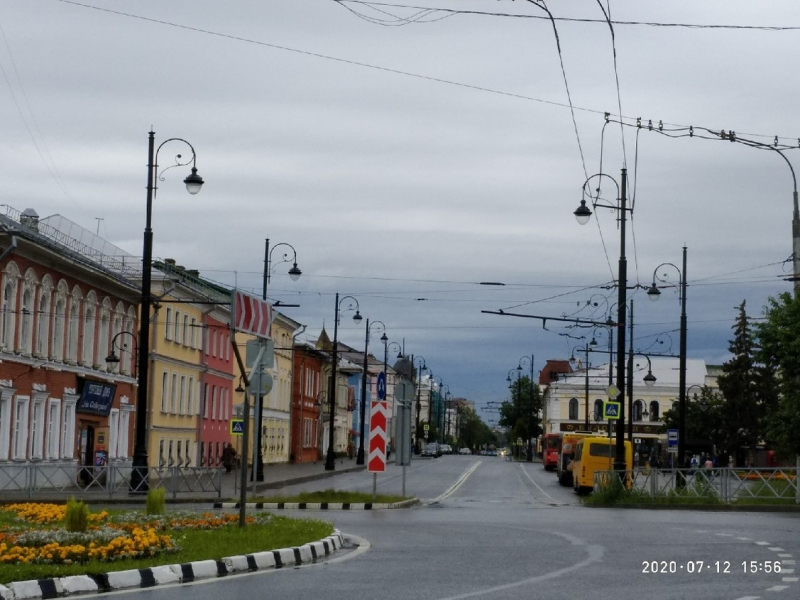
156	501
76	519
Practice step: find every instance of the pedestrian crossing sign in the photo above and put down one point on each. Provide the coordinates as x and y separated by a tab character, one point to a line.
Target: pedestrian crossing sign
237	426
611	410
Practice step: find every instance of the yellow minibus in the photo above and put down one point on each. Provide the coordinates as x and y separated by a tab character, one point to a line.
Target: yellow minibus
593	454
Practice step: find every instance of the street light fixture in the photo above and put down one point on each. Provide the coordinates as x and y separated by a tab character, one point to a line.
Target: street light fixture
529	452
294	274
330	456
582	215
391	346
654	293
193	182
421	367
384	339
113	358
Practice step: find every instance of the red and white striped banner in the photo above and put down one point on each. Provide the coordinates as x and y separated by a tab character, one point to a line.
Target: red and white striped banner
251	314
376	463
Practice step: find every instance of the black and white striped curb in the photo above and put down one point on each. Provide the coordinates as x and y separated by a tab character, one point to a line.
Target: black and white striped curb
171	574
318	505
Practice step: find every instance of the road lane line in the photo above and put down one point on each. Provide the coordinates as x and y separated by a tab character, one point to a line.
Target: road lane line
455	486
538	486
595	554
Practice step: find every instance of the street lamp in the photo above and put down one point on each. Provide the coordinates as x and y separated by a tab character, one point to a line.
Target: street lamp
330	455
384	339
294	274
391	346
582	214
529	453
421	367
113	358
139	483
653	293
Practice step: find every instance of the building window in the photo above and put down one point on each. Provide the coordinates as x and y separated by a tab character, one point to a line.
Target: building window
182	406
573	409
187	333
68	429
53	428
213	402
59	326
202	454
20	440
9	309
164	391
188	454
43	324
124	428
177	337
26	328
5	424
180	453
161	458
637	411
190	397
168	324
87	352
170	455
598	410
193	336
173	396
654	415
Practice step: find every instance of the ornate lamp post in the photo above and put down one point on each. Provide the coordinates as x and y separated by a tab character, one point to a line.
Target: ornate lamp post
384	339
330	455
139	483
653	293
420	362
294	274
582	214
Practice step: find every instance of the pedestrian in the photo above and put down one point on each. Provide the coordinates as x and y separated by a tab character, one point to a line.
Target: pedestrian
229	457
388	450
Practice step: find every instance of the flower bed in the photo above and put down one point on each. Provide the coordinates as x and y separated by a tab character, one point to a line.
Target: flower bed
127	535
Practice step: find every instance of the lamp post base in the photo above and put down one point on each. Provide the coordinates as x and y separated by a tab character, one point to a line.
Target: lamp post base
139	484
330	460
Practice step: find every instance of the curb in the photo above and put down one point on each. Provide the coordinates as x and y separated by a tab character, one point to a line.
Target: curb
318	505
166	574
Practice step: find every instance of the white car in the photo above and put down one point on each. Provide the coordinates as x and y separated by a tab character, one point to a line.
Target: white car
465	451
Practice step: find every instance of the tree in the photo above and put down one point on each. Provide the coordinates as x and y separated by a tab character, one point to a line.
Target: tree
521	414
779	351
742	418
702	423
474	432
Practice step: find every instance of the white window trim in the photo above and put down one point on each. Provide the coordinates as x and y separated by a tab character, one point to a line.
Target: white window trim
6	404
21	427
53	439
113	433
68	426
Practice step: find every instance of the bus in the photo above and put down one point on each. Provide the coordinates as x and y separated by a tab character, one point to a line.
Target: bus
593	454
551	446
568	442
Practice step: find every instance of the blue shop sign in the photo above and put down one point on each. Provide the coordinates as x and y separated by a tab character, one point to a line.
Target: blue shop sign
96	398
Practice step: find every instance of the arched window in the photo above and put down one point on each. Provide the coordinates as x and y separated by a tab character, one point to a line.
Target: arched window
89	314
104	334
116	328
654	415
43	315
573	409
598	410
126	356
8	322
73	326
26	326
59	323
637	410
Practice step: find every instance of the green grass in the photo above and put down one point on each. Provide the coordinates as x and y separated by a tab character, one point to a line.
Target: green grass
278	532
781	493
333	496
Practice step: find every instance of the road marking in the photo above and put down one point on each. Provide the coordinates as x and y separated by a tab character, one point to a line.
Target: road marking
595	554
787	571
724	534
455	486
777	588
790	579
763	543
538	486
775	549
744	539
789	562
749	598
785	555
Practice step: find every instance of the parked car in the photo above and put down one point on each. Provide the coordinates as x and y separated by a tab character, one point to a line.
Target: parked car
432	450
446	449
465	451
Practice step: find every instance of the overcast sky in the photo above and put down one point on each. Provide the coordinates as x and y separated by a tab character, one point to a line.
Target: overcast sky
409	155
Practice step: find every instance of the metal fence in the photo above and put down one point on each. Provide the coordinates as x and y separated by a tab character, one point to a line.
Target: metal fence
60	480
726	485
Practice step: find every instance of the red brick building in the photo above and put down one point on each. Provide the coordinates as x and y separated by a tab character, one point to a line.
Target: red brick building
308	396
62	313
